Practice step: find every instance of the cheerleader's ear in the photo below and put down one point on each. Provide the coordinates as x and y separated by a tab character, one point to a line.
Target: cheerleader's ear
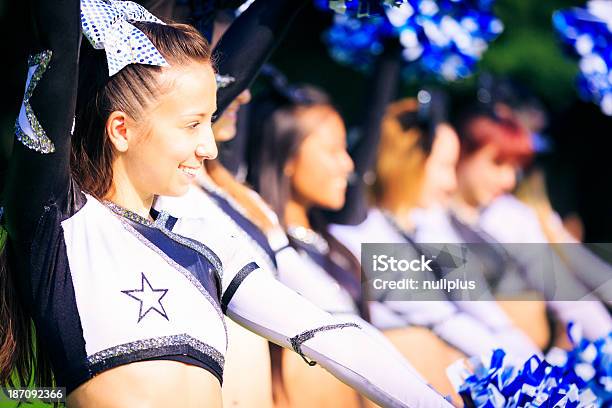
117	130
289	168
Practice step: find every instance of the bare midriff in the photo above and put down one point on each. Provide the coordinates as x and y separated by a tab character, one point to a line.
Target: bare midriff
160	383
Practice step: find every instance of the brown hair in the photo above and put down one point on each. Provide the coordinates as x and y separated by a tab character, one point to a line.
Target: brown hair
23	360
400	163
131	90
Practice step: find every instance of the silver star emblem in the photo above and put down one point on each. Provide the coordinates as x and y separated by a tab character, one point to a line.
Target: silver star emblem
149	298
27	128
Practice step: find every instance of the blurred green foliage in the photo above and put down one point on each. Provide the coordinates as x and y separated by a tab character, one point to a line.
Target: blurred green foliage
530	52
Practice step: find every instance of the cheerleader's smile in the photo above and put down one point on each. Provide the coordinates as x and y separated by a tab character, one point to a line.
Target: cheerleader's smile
190	172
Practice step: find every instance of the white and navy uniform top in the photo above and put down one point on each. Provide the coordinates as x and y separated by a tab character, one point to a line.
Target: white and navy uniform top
507	219
445	318
121	289
235	214
306	270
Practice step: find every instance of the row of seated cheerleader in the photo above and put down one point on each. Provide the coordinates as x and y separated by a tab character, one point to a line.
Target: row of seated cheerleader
129	243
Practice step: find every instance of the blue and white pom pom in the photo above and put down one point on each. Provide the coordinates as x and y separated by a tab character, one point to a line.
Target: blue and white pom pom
356	42
579	378
591	361
587	32
445	38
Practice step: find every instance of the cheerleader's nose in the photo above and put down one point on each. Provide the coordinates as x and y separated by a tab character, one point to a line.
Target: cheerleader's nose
207	150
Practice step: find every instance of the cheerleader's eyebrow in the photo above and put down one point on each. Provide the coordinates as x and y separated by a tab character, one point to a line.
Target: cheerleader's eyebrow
198	114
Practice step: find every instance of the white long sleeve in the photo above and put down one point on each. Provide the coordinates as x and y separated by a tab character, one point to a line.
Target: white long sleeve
348	352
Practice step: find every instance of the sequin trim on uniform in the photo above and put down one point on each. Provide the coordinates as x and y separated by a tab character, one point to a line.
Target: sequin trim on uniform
157	342
296	341
161	220
309	237
125	213
39	141
224	80
197	246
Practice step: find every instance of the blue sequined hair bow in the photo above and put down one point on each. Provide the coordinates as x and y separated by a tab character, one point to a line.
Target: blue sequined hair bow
106	24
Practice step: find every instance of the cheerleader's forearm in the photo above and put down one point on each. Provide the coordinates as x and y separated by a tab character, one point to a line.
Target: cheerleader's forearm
267	307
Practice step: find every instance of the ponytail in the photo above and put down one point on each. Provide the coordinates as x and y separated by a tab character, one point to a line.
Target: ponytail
23	360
